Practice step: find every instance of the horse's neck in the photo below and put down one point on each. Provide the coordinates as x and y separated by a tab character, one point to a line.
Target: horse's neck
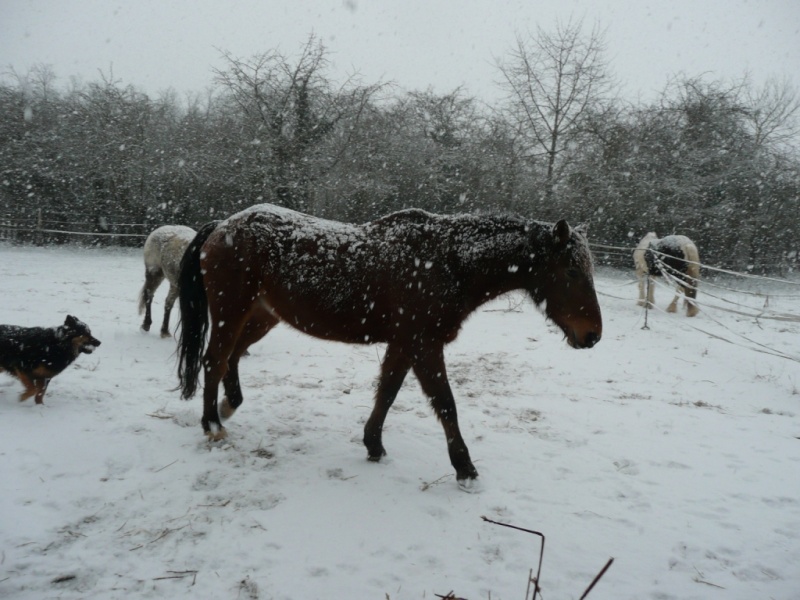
495	260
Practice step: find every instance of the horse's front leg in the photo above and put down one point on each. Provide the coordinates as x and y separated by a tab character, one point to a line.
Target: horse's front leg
642	277
651	292
233	390
257	326
430	369
394	368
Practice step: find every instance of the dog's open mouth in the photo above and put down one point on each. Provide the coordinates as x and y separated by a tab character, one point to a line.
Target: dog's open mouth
90	347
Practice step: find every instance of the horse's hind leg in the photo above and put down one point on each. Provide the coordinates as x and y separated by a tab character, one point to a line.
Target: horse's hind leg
152	279
673	306
430	369
394	368
255	329
222	340
690	291
171	297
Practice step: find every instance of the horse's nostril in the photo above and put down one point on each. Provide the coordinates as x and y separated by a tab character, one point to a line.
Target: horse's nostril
591	339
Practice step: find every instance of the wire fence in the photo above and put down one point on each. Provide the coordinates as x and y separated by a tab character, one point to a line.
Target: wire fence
749	296
116	230
622	256
42	228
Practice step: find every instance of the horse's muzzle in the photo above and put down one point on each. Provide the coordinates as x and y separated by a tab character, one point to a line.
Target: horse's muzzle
587	341
591	339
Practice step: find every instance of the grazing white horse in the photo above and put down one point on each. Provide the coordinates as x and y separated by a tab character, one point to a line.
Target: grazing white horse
163	252
678	256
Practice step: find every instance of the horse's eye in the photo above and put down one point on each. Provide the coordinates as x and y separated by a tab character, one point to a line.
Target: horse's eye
573	273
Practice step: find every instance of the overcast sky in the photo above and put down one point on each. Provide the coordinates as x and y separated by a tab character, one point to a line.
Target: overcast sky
160	44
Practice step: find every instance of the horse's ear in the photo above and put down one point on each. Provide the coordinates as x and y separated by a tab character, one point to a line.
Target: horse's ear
583	229
561	232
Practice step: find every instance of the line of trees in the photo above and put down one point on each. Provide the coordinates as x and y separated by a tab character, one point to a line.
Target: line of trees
714	160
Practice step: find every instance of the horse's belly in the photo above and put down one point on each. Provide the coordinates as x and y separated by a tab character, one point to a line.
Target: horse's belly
354	322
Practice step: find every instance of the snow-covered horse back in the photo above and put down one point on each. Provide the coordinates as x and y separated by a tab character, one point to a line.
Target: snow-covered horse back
408	280
163	251
676	258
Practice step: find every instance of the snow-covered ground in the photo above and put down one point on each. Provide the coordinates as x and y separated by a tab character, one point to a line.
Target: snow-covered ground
675	450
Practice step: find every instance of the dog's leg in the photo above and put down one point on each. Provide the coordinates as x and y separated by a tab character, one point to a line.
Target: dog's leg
30	388
40	384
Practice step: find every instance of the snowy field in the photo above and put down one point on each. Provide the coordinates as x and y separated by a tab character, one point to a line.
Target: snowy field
675	450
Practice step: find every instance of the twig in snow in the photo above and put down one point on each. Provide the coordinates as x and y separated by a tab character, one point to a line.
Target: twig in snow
178	575
165	466
161	416
163	534
222	505
597	578
180	517
697	579
425	486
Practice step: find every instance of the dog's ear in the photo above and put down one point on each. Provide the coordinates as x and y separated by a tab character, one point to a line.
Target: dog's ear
70	321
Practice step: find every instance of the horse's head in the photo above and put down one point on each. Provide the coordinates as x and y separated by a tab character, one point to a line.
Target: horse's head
565	285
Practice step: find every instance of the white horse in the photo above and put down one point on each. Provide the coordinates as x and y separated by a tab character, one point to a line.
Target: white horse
163	252
678	256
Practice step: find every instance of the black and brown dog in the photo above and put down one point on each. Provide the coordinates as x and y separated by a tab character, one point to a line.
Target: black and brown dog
35	355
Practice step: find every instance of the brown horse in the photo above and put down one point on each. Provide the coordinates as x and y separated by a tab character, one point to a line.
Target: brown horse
408	280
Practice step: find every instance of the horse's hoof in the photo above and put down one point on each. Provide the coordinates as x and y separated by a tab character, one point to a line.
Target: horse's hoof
165	334
376	457
470	485
218	436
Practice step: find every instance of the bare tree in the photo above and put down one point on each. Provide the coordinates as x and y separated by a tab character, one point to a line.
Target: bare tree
554	81
291	110
773	113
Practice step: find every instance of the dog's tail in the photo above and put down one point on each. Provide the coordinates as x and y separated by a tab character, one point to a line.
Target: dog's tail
194	313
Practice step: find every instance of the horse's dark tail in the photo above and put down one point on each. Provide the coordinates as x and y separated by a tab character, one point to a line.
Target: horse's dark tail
194	313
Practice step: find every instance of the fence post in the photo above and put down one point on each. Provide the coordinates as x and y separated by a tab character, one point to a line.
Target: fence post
38	235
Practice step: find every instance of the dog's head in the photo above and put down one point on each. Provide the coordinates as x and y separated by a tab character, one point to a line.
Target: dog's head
78	332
